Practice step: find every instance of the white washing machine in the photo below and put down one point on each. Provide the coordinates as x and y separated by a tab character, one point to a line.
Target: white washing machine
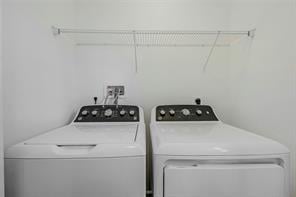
101	153
196	155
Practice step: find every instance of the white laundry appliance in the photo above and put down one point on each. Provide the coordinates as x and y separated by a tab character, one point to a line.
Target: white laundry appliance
100	154
196	155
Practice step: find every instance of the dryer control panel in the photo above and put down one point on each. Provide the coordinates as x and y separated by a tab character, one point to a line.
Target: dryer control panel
108	113
185	113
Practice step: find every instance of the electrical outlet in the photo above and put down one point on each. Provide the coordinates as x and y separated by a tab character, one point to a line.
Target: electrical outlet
111	90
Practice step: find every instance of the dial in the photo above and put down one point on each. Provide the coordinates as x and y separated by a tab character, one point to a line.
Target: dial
122	112
108	112
84	112
185	112
162	112
172	112
132	112
198	112
94	113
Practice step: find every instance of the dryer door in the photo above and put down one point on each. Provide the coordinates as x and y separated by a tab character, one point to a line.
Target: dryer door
224	180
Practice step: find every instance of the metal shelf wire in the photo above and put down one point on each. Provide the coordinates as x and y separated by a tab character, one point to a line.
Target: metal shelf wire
154	38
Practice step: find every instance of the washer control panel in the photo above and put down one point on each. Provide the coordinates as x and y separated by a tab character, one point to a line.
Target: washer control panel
108	113
185	113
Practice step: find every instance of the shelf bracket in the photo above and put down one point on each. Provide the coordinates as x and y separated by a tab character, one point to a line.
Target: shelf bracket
135	51
56	31
211	51
251	33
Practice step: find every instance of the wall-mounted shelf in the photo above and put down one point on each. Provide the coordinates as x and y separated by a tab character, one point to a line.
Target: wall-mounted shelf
154	38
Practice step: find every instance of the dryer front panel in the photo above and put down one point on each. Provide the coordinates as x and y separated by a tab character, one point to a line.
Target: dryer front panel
224	180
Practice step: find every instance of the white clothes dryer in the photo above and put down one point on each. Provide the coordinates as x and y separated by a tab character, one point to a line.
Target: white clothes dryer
101	153
195	154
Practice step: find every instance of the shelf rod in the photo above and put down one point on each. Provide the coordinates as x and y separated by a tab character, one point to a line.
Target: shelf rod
211	51
152	45
195	32
59	31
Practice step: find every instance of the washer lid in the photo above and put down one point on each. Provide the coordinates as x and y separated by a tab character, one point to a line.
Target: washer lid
87	135
83	141
210	138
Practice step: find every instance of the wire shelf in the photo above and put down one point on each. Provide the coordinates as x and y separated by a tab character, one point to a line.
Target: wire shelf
154	38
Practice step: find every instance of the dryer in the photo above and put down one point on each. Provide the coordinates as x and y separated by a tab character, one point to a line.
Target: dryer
101	153
195	154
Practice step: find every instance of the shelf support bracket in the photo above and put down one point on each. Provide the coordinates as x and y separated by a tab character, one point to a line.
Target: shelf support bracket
56	31
251	33
135	51
211	51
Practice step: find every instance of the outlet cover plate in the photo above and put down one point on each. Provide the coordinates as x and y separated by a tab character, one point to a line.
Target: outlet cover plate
112	88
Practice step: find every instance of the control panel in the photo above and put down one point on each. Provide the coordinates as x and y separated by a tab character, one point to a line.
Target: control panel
108	113
185	113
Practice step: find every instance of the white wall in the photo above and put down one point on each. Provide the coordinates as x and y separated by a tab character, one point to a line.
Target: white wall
38	69
263	75
153	84
1	110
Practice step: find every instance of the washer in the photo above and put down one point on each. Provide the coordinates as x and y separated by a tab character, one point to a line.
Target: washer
195	154
101	153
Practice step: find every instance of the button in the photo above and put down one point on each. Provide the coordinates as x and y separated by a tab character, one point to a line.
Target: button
108	112
159	118
185	112
132	112
94	113
172	112
79	118
162	112
84	112
199	112
122	112
207	112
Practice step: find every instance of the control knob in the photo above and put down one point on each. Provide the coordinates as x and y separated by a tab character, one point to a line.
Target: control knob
199	112
122	112
185	112
172	112
84	112
132	112
108	112
94	113
162	112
